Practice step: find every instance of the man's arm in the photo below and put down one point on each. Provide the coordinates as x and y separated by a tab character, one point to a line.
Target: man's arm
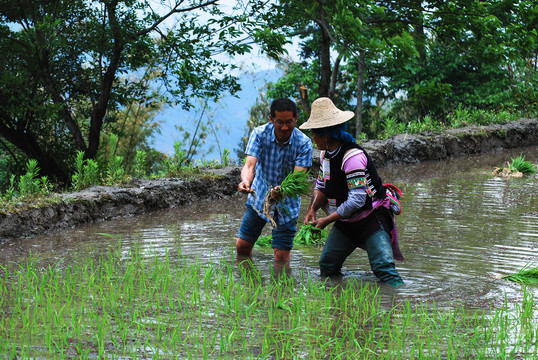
247	174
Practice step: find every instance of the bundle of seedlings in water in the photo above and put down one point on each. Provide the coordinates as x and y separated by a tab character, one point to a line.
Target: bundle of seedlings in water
295	184
310	235
516	168
522	165
526	276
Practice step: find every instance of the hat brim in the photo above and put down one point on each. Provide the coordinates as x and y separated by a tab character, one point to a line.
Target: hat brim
336	119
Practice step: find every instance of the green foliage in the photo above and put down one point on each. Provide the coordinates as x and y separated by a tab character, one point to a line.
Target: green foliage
64	83
28	183
87	173
414	60
115	172
140	164
460	117
523	166
307	235
264	241
225	158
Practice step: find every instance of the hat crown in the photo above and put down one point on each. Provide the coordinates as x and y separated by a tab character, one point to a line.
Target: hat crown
324	114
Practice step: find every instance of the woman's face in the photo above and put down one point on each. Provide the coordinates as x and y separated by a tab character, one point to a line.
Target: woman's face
320	140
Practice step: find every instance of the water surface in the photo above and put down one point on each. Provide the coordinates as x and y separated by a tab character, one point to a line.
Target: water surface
461	229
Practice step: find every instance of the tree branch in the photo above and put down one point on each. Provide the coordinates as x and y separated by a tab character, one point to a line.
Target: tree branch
173	11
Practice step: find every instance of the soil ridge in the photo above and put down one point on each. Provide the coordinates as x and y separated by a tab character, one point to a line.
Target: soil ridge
101	203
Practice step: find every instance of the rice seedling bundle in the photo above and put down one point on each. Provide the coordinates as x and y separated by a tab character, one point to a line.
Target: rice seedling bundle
264	241
522	165
310	235
527	276
295	184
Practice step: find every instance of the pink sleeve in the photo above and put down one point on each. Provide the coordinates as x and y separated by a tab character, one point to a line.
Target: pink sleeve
354	160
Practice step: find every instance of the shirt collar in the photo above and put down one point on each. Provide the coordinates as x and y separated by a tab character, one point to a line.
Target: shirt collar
331	154
273	136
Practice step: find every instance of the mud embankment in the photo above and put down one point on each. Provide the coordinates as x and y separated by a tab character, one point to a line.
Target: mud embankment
105	203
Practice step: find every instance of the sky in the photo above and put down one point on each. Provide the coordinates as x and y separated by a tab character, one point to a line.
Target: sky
230	115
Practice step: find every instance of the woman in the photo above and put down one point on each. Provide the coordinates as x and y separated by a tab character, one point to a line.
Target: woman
352	194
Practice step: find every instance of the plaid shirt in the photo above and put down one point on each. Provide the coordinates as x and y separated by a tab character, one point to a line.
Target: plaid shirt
273	165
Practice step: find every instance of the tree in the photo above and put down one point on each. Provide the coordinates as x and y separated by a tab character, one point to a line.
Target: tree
418	57
66	65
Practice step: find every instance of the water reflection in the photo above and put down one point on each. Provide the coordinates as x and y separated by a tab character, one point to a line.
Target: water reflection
461	229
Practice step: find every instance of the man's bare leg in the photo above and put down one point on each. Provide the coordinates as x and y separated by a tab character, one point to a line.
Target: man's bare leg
243	248
282	255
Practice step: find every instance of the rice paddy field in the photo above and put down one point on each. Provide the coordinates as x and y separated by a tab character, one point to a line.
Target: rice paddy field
168	285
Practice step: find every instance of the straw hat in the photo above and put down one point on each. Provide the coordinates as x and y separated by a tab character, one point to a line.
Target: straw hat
325	114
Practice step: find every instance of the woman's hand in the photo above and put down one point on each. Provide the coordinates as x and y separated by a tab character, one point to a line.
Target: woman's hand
309	217
321	223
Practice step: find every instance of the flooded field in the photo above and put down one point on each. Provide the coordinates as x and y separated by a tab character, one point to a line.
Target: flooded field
461	230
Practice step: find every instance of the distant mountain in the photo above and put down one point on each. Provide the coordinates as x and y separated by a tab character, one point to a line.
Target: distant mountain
230	116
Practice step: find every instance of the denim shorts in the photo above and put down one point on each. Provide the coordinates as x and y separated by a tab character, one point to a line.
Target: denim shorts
253	224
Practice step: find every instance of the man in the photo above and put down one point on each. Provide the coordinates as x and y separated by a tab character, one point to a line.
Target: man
274	150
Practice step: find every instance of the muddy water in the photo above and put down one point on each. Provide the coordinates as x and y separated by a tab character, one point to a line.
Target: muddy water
461	229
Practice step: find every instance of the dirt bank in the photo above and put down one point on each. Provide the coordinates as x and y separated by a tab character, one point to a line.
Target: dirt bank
103	203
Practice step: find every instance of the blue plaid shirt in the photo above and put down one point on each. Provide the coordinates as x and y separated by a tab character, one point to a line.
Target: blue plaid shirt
273	165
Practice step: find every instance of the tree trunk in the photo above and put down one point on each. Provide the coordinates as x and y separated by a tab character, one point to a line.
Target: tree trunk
360	90
48	164
334	75
325	57
303	98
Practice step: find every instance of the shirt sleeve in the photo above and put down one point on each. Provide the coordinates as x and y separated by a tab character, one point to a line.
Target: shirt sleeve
354	166
254	144
304	155
355	200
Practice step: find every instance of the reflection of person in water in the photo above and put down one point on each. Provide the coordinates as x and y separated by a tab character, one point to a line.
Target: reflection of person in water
351	191
274	150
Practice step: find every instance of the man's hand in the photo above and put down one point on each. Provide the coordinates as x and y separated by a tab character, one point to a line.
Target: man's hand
244	187
275	194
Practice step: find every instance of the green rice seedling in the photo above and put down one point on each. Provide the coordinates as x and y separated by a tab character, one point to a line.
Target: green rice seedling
526	275
295	184
520	164
310	235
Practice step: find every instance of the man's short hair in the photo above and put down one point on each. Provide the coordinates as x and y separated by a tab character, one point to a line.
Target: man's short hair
283	105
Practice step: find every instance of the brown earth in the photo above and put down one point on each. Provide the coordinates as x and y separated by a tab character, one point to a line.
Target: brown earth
100	203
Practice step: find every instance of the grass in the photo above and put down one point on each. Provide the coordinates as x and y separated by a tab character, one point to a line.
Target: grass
127	304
